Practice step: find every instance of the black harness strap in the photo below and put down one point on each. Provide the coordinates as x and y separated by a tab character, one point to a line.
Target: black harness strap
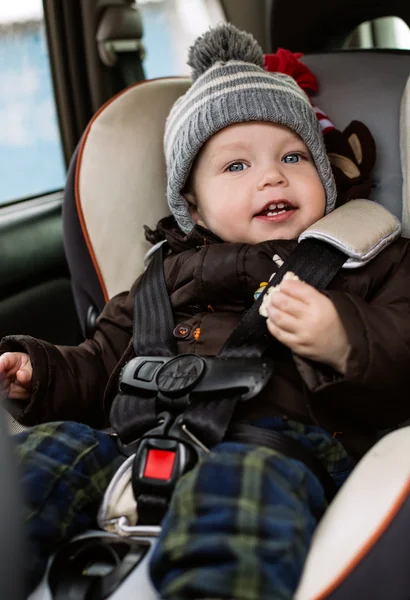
208	418
287	446
131	416
313	261
153	318
151	508
152	335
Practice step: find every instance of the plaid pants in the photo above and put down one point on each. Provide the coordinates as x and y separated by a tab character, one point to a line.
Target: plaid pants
239	525
65	469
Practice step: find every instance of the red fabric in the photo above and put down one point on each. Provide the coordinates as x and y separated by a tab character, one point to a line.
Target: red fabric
285	61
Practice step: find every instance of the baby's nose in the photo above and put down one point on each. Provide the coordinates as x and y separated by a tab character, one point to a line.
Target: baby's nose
272	175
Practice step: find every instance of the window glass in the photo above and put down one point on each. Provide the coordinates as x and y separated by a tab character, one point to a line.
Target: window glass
31	159
386	32
170	27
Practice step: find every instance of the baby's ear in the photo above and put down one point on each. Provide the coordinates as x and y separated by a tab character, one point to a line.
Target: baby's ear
192	204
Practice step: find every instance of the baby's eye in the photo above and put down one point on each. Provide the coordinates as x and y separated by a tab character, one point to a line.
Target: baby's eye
237	166
293	157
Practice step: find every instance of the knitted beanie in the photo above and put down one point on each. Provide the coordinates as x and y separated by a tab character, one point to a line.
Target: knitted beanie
230	85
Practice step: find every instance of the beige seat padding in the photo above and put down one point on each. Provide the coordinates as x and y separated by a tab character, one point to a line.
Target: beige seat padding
121	181
361	229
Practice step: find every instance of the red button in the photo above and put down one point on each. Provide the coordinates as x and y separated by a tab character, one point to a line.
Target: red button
159	464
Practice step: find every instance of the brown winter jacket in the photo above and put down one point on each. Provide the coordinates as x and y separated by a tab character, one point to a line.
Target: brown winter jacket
211	284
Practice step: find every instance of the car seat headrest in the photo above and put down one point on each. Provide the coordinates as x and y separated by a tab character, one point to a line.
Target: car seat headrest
369	87
120	179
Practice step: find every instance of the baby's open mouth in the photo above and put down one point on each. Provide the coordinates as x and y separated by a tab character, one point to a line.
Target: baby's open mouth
275	208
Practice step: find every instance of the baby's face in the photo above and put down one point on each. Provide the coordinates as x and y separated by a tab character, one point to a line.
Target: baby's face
254	182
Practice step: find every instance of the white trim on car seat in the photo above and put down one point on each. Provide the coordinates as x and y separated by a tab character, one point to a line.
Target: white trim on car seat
405	156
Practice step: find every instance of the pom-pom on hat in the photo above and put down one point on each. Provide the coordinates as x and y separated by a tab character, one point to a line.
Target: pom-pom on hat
230	85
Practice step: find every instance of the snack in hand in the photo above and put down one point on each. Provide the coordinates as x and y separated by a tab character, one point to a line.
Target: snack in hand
263	309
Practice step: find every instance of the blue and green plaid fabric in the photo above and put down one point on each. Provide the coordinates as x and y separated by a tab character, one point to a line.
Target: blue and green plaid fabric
65	470
240	524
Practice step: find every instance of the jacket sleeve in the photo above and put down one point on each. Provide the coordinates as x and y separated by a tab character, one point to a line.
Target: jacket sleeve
376	384
69	382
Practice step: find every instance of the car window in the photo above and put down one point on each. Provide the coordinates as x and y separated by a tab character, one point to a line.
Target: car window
386	32
31	159
170	27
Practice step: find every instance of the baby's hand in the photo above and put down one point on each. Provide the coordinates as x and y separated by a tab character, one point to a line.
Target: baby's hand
307	322
16	374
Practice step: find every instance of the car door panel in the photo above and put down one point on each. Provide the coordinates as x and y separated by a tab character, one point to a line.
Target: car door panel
35	290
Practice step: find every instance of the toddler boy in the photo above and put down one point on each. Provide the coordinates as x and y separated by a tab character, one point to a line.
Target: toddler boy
247	174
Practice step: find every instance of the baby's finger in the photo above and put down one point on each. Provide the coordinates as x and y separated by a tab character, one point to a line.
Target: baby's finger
282	320
282	335
6	362
299	290
18	392
288	304
23	376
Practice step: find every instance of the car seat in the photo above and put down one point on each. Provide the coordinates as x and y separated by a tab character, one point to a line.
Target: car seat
116	184
119	163
102	204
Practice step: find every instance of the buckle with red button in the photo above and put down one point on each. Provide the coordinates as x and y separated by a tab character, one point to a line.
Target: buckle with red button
158	464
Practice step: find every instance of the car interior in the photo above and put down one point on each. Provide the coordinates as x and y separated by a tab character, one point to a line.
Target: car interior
62	250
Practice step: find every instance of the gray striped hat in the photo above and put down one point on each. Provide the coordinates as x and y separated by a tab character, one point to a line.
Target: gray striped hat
230	85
